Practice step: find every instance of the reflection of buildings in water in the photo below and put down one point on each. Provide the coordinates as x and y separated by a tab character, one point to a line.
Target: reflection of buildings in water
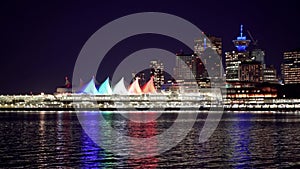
106	134
274	145
240	140
63	138
42	140
217	147
143	130
278	142
91	154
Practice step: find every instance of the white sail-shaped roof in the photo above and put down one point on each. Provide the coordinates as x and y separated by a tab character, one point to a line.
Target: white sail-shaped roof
89	88
120	88
105	88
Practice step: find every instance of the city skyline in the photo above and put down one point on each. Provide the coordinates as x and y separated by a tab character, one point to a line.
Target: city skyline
150	84
40	43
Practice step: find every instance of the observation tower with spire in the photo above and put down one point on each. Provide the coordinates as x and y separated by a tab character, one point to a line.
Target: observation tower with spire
241	42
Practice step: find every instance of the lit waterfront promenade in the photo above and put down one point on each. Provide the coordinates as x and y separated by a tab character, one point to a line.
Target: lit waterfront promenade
144	101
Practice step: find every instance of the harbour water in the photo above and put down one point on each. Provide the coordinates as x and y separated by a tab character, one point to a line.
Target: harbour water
241	140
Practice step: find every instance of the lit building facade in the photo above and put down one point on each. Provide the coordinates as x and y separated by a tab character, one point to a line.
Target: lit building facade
157	71
233	60
251	72
291	67
270	75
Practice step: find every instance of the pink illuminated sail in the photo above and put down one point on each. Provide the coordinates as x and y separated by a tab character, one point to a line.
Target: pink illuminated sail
149	86
134	88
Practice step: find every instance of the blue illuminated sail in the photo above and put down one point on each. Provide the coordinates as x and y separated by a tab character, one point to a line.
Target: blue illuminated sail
89	88
105	88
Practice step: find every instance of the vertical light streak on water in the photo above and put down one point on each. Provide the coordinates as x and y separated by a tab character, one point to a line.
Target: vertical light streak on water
42	141
142	130
63	138
241	139
90	156
106	133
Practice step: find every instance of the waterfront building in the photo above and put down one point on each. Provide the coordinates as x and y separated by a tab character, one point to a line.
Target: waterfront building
67	88
291	67
241	92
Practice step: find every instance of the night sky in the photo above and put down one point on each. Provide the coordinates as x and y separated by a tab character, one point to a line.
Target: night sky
41	41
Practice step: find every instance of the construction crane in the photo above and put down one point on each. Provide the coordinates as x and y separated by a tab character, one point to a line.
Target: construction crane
254	41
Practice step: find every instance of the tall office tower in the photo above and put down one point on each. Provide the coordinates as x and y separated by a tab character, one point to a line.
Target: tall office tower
291	67
233	61
215	44
186	66
157	71
258	55
250	72
270	75
188	71
235	58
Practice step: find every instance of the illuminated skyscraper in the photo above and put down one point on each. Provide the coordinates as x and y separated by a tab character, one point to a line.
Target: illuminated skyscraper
291	67
212	42
233	61
186	66
188	72
235	58
215	44
157	71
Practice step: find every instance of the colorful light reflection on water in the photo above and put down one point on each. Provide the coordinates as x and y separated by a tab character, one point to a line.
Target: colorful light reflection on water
242	140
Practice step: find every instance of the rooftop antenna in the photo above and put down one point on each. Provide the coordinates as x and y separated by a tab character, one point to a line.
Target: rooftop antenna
254	41
241	30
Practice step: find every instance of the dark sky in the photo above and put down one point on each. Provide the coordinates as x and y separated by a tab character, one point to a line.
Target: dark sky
40	41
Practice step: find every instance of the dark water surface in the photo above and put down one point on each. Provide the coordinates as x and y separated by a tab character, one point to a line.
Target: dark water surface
242	140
